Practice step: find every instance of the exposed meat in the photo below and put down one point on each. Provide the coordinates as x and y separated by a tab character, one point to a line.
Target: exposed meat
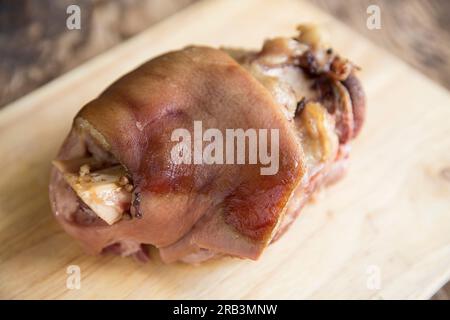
358	100
118	151
106	192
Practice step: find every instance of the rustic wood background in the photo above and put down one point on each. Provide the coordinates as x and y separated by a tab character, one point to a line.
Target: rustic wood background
36	47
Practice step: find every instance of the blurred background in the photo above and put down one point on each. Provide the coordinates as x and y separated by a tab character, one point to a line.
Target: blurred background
35	46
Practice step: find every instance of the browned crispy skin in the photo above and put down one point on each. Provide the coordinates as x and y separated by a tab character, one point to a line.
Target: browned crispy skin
136	116
195	212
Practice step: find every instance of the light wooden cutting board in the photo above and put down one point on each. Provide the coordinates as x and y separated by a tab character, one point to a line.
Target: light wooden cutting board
382	232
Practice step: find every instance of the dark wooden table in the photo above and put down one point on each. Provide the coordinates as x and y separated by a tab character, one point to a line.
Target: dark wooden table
35	47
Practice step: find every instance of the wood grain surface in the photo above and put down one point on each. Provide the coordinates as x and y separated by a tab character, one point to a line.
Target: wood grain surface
417	31
36	46
389	214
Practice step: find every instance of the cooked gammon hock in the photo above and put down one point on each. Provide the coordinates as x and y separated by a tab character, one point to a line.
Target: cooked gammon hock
115	187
